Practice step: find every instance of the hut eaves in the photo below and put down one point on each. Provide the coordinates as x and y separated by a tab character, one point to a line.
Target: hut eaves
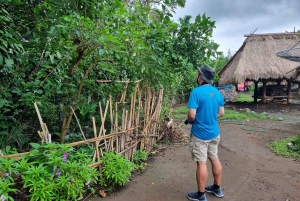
256	59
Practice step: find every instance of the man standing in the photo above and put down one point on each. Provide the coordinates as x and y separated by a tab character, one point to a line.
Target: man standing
206	105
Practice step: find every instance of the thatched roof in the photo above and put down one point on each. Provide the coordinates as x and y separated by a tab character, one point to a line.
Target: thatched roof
256	59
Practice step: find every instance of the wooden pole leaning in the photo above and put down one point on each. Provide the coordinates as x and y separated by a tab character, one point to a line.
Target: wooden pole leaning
44	133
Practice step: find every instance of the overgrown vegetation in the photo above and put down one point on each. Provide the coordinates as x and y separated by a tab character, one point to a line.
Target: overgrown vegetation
140	157
281	147
116	170
54	52
48	172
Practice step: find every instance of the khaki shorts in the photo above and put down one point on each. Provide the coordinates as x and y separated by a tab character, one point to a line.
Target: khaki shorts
201	149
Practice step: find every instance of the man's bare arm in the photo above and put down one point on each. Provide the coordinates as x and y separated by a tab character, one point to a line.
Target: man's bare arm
191	114
221	112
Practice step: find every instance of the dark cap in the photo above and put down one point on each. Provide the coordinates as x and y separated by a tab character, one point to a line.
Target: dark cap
207	73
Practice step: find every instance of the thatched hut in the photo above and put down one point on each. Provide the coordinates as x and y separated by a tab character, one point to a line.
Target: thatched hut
256	61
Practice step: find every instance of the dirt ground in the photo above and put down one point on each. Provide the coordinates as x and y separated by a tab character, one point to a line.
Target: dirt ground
251	171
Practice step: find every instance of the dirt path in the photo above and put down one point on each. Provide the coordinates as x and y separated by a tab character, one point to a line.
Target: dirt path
251	171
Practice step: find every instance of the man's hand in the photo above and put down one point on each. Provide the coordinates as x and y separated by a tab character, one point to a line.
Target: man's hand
188	122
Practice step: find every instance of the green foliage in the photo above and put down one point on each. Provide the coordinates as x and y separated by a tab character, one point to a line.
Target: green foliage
139	159
14	137
234	115
49	172
280	147
297	142
243	97
59	51
116	170
140	156
180	113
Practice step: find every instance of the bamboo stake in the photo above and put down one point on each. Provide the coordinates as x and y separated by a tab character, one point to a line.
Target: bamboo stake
47	134
117	129
97	142
44	134
103	117
77	143
40	134
129	147
121	145
111	113
78	123
125	126
137	119
95	164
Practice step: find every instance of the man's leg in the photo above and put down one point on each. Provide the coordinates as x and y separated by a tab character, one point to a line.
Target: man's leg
216	170
201	175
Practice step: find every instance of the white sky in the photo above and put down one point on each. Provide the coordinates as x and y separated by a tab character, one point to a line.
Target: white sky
235	18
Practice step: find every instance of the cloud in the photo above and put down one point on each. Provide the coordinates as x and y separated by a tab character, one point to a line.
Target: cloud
235	18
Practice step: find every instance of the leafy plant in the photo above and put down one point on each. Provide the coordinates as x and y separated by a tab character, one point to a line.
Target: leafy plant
116	170
140	156
49	172
14	137
139	159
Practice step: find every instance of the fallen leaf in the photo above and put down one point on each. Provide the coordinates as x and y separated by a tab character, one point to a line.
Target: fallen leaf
102	193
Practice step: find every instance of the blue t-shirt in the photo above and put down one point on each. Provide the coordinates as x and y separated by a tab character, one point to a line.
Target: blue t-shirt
206	100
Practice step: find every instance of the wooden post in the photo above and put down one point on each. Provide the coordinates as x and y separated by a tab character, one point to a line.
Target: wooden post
264	94
255	91
289	91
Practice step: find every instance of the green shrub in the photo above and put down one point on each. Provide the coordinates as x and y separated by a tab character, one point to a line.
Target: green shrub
139	159
49	172
116	170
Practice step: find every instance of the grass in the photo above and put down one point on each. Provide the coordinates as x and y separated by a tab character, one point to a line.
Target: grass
180	113
280	147
243	97
234	115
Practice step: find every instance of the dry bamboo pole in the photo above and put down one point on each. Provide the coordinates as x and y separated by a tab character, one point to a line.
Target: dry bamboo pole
145	119
44	134
95	164
127	122
111	113
121	142
123	97
97	142
137	119
103	117
129	147
148	119
125	136
48	136
151	110
157	114
116	129
132	111
112	135
78	123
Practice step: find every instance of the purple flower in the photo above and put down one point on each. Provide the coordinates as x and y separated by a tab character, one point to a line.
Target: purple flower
6	174
65	156
71	181
58	172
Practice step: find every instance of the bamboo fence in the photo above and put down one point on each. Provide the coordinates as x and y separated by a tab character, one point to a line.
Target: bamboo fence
134	126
